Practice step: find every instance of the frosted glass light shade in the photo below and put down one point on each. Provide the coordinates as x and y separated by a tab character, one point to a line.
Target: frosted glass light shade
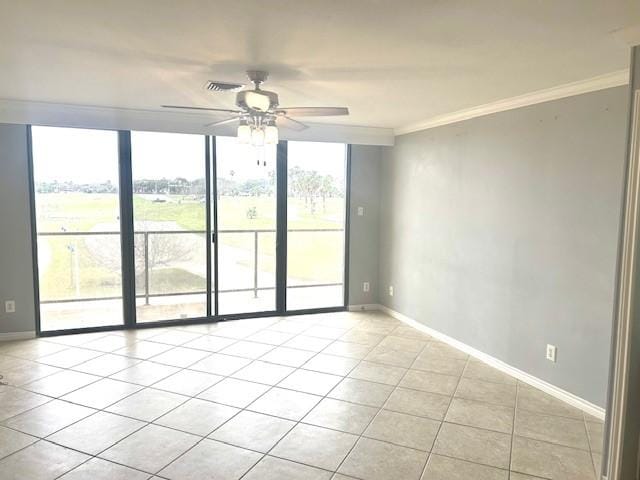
244	134
257	137
271	135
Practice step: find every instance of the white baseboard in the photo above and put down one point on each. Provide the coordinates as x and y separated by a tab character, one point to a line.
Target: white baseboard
7	337
552	390
364	306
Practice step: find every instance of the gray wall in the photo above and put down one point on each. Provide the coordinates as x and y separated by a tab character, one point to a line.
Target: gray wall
16	270
363	251
501	232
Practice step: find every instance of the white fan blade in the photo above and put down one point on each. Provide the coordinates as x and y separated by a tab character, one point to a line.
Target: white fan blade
286	122
225	110
313	111
222	122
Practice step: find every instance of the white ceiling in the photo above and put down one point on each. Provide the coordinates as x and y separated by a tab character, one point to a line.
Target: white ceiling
393	63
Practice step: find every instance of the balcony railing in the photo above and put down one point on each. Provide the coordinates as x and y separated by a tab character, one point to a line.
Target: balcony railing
145	251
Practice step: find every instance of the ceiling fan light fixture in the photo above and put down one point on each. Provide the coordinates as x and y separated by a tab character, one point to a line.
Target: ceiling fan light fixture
257	137
270	135
244	132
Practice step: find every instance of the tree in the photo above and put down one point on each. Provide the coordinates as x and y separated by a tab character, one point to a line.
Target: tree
255	187
162	250
295	181
310	185
327	189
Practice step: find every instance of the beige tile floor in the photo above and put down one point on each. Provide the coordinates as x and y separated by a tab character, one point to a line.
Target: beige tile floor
330	396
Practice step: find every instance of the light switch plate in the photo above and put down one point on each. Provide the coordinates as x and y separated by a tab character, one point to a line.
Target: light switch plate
551	353
10	306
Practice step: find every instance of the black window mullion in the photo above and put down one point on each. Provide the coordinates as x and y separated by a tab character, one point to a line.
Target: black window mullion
347	221
281	228
208	237
126	229
214	237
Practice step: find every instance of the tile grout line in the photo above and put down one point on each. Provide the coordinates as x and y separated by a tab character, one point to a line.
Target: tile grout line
444	417
513	429
189	398
152	386
298	422
323	427
143	387
237	413
251	360
104	409
316	404
593	463
146	423
380	409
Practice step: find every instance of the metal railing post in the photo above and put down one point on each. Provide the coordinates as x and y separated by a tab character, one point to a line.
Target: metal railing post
255	264
146	268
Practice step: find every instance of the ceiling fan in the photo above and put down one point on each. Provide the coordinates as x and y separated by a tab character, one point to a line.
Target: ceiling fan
259	114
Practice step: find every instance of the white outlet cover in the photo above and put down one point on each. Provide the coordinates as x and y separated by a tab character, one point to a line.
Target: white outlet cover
365	287
360	211
391	290
10	306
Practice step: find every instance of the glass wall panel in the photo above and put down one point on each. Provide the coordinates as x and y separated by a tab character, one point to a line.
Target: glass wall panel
169	212
246	196
316	216
77	200
78	228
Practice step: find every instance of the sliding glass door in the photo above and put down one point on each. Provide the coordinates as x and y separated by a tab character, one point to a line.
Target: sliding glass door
316	219
169	222
247	210
144	227
77	207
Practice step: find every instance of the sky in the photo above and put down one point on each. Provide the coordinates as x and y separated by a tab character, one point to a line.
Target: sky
84	156
91	156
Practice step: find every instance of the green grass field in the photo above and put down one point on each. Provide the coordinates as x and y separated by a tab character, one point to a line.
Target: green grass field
313	257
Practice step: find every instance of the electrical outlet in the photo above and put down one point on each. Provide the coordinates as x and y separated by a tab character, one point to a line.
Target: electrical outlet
360	211
391	290
10	306
551	353
365	287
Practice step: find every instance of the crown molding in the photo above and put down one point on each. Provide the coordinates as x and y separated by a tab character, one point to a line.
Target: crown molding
111	118
614	79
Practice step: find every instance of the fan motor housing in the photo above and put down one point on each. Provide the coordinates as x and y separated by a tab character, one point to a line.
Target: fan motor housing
241	99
